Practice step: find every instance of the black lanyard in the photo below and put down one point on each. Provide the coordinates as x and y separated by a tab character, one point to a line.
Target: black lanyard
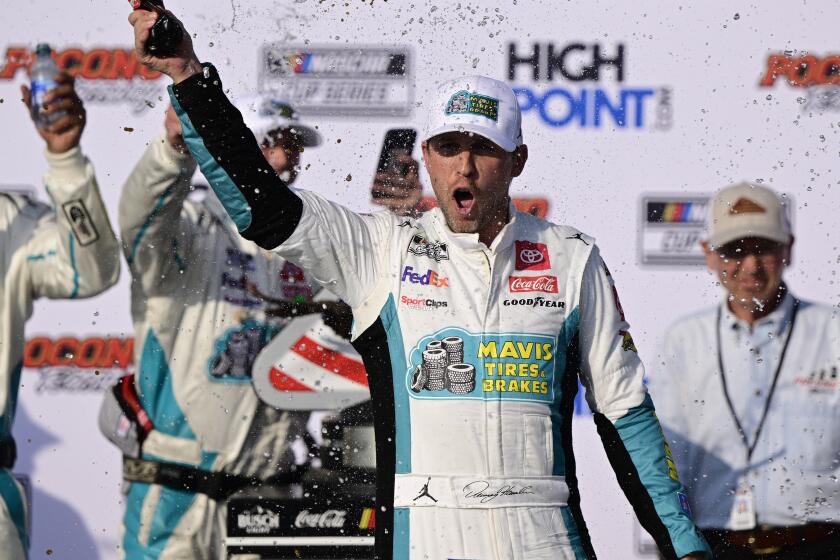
751	447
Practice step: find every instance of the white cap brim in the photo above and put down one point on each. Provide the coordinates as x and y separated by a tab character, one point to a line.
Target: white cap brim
491	134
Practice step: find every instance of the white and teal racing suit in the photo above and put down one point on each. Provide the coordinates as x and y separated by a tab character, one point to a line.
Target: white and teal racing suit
64	251
198	329
473	355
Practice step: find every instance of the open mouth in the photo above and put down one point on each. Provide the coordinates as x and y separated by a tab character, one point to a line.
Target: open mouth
464	200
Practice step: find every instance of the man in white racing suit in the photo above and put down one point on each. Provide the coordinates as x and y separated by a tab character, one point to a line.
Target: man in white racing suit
199	326
64	251
474	321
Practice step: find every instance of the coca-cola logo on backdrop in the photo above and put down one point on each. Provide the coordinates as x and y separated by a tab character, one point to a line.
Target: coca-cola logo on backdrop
330	519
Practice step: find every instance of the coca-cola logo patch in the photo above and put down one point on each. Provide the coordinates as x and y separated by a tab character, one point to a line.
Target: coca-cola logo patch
532	256
546	284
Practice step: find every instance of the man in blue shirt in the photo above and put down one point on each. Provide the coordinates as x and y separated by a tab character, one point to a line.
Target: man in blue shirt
748	394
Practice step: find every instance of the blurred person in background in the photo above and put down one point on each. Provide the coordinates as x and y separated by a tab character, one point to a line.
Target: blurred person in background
66	250
200	322
470	464
749	394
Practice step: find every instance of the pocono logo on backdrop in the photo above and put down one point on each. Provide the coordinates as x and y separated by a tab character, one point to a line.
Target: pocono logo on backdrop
455	364
818	76
73	365
605	106
104	75
350	81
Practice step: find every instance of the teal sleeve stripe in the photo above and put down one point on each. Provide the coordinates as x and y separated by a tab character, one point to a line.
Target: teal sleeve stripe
563	369
11	495
41	256
642	437
227	191
75	291
7	419
146	224
402	415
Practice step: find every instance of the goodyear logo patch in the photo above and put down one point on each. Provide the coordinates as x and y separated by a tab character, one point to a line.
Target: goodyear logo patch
455	364
467	103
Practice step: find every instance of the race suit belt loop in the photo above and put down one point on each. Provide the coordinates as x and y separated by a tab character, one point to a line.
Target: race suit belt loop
8	453
479	492
217	485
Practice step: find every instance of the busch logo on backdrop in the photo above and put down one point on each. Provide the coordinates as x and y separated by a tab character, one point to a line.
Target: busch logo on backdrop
105	75
579	103
330	519
258	521
818	76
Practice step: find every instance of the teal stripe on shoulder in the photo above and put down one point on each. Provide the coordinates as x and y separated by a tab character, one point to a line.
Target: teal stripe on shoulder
227	191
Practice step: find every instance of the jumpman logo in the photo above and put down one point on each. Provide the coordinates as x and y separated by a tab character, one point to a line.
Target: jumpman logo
578	237
425	491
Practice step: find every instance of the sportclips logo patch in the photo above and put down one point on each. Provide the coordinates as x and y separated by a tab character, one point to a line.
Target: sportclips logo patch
455	364
105	75
817	76
75	365
349	81
613	105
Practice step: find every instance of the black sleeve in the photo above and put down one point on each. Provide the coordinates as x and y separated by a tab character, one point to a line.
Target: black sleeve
261	205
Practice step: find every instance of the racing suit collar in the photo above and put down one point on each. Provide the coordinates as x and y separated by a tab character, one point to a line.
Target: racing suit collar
469	241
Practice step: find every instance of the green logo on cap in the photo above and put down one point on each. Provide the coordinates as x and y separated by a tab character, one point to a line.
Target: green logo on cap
465	102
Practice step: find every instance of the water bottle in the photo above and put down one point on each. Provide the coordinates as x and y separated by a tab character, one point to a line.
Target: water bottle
42	75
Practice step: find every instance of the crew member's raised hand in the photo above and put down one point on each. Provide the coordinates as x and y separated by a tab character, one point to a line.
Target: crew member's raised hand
180	65
63	133
401	194
174	132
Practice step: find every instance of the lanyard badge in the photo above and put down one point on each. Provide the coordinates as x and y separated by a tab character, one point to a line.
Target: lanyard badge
743	517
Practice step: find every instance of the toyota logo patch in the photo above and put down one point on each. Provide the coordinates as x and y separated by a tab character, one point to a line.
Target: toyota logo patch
532	256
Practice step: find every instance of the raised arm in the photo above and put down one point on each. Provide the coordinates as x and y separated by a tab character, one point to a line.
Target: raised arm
76	254
153	233
341	249
613	376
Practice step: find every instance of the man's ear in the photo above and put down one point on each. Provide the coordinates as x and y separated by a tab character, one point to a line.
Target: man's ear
424	150
789	252
520	156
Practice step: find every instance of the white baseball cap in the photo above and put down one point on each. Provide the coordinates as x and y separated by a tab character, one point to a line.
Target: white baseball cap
265	114
480	105
747	210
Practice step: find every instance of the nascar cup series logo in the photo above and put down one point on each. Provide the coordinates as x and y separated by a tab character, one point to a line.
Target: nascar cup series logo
456	364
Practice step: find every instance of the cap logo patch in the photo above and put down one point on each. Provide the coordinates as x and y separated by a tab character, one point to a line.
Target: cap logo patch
746	206
467	103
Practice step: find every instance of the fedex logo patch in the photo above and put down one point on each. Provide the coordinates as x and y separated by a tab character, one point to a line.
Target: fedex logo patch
430	278
531	256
